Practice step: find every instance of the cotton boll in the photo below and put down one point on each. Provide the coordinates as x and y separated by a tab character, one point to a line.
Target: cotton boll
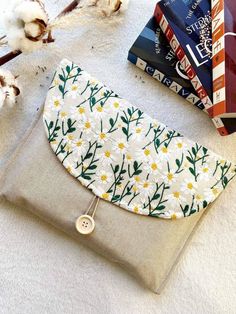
9	89
26	25
29	11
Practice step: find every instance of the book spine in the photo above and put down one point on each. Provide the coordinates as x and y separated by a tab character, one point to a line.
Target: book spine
165	80
180	54
218	60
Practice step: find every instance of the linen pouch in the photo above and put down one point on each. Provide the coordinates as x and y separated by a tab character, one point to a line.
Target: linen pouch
173	178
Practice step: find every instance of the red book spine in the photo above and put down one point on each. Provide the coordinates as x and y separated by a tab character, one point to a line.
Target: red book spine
175	45
218	61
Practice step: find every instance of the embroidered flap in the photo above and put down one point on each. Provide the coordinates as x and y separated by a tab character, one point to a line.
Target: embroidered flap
123	155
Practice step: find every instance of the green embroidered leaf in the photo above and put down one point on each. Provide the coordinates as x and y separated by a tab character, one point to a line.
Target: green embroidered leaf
137	172
125	131
124	120
117	167
115	198
135	165
157	142
88	156
68	69
93	101
192	171
123	171
62	78
61	88
57	128
160	207
225	181
190	160
129	112
111	121
194	151
92	167
177	161
51	125
204	204
86	177
185	209
205	150
155	197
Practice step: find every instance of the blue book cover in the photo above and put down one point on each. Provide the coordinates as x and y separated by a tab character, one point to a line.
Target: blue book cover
152	53
187	26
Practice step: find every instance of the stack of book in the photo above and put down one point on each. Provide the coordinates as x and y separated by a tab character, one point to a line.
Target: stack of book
190	46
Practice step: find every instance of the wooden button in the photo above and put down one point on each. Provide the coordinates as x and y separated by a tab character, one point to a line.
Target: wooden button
85	224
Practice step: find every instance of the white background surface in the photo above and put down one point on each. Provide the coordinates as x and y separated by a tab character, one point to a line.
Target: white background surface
44	271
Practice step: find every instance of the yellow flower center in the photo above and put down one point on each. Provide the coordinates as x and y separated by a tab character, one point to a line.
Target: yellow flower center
138	130
176	194
103	177
69	169
105	196
198	197
116	105
99	109
107	154
147	152
74	87
146	185
164	150
135	189
136	209
179	145
87	125
102	136
173	216
79	143
70	137
63	114
121	145
137	179
56	103
81	110
170	176
154	166
205	170
215	191
128	157
190	186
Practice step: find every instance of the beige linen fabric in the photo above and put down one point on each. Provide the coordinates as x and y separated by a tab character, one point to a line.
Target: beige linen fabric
147	247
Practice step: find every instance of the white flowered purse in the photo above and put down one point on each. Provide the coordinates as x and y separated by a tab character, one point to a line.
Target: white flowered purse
123	155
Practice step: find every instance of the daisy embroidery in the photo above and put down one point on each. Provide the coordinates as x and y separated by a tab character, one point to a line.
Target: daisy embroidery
144	155
73	91
86	126
78	113
169	177
56	103
99	112
63	115
164	152
189	186
205	172
103	136
104	177
106	156
79	146
120	146
176	198
211	194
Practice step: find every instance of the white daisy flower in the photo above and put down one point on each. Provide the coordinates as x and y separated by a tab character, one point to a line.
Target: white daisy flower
104	177
211	194
86	126
79	147
69	138
103	136
138	134
129	157
189	186
199	199
146	187
144	155
99	112
169	177
136	181
180	145
164	152
78	113
176	198
136	208
153	166
73	91
63	115
116	105
56	103
106	156
205	172
120	146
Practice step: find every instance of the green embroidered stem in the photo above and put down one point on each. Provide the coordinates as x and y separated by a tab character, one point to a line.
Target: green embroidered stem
194	159
128	118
